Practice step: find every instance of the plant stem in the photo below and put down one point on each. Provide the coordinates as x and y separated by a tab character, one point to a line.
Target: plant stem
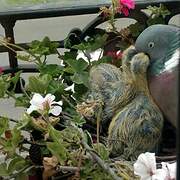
10	45
98	127
23	90
94	156
67	168
71	105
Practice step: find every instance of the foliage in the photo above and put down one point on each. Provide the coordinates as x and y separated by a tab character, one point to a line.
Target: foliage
63	136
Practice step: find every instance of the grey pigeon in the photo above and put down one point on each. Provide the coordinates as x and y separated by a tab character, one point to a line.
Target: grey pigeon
162	44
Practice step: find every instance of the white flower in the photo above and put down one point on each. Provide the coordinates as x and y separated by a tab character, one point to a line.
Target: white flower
145	166
40	104
160	174
170	170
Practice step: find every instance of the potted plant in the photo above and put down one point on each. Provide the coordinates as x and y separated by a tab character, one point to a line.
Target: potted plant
52	137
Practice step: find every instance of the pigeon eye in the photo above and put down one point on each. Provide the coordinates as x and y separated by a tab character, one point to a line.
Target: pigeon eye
151	45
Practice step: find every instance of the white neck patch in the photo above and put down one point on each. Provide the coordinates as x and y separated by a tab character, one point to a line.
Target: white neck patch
173	61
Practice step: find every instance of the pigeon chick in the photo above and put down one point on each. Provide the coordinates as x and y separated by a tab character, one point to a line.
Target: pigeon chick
137	127
112	87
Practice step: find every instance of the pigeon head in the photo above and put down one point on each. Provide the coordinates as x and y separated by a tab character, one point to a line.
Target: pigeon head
160	43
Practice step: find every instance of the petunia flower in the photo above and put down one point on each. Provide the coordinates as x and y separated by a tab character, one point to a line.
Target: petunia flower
125	6
46	104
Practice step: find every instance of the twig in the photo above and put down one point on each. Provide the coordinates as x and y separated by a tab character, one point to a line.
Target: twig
67	168
77	173
70	104
13	120
23	90
97	158
23	170
98	127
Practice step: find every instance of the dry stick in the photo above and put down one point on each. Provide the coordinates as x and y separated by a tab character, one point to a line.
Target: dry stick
97	158
77	173
100	161
67	168
70	104
98	127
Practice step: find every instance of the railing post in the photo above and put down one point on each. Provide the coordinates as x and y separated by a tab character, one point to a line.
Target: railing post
8	26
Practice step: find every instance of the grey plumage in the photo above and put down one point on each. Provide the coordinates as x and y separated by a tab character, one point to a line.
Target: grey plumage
162	44
137	127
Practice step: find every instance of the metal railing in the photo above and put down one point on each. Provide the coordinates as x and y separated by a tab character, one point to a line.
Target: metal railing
9	19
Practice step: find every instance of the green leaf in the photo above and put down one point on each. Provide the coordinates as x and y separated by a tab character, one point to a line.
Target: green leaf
78	120
70	134
10	145
81	78
77	65
69	70
69	55
159	11
52	69
14	80
22	101
3	170
88	138
4	125
93	43
155	20
24	57
56	88
16	137
80	90
54	134
44	47
3	87
101	150
136	29
58	150
24	122
16	164
39	84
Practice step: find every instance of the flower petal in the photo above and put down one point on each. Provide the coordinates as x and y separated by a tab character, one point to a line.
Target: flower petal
55	110
49	98
145	165
130	4
37	100
170	169
31	109
160	174
125	11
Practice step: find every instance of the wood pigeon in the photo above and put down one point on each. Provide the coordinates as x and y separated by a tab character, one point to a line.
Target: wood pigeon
162	44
